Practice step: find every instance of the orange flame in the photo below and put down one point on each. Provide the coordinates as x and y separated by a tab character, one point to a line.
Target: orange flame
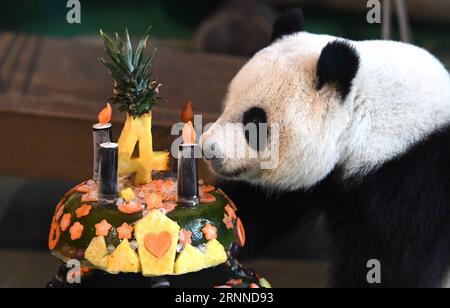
105	115
188	113
188	134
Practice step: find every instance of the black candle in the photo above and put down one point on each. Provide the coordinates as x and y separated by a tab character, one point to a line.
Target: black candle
188	190
108	181
187	115
101	133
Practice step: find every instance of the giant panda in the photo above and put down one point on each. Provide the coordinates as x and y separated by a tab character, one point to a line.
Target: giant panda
365	122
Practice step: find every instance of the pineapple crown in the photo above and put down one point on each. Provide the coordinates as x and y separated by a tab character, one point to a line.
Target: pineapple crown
134	90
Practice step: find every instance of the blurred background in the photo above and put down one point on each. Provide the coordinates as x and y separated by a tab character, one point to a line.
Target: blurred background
52	87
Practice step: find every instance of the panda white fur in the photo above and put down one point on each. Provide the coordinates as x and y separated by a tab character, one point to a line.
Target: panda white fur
368	124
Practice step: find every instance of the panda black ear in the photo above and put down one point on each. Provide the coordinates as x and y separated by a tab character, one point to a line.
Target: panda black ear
338	65
287	23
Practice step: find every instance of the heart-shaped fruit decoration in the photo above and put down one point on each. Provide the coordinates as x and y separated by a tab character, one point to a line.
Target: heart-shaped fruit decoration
159	244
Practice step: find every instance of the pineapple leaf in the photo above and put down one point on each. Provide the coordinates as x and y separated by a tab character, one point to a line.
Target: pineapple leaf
141	47
129	51
134	90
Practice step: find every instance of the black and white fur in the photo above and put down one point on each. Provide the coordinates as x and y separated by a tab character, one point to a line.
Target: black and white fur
367	123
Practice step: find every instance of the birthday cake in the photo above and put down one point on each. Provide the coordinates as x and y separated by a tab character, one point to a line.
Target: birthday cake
134	216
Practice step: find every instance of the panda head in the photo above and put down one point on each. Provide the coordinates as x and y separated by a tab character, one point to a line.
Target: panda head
298	88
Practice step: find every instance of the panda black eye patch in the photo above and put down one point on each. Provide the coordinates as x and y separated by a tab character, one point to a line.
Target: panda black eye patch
256	116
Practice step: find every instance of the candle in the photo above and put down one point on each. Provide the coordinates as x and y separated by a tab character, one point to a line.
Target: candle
101	133
188	192
108	181
187	115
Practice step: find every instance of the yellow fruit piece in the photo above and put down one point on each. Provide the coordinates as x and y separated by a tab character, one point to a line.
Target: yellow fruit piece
139	131
190	260
264	283
215	253
156	223
123	260
127	194
96	253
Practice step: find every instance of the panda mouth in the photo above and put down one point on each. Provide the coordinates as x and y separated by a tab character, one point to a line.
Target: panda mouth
232	174
218	167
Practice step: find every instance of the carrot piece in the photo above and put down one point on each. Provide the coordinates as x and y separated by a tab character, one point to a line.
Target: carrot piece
185	237
230	202
159	244
65	221
83	210
59	212
60	205
207	198
71	191
83	189
76	231
125	231
102	228
54	236
228	221
129	208
207	188
209	231
254	286
240	232
88	198
230	212
234	282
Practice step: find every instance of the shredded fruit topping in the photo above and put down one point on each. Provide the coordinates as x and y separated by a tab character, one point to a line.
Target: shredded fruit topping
153	201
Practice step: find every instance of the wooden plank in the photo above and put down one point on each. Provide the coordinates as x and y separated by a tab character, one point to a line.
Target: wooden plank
70	69
11	61
24	61
70	108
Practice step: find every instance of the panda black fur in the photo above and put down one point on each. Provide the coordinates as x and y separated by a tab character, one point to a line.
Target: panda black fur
365	124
